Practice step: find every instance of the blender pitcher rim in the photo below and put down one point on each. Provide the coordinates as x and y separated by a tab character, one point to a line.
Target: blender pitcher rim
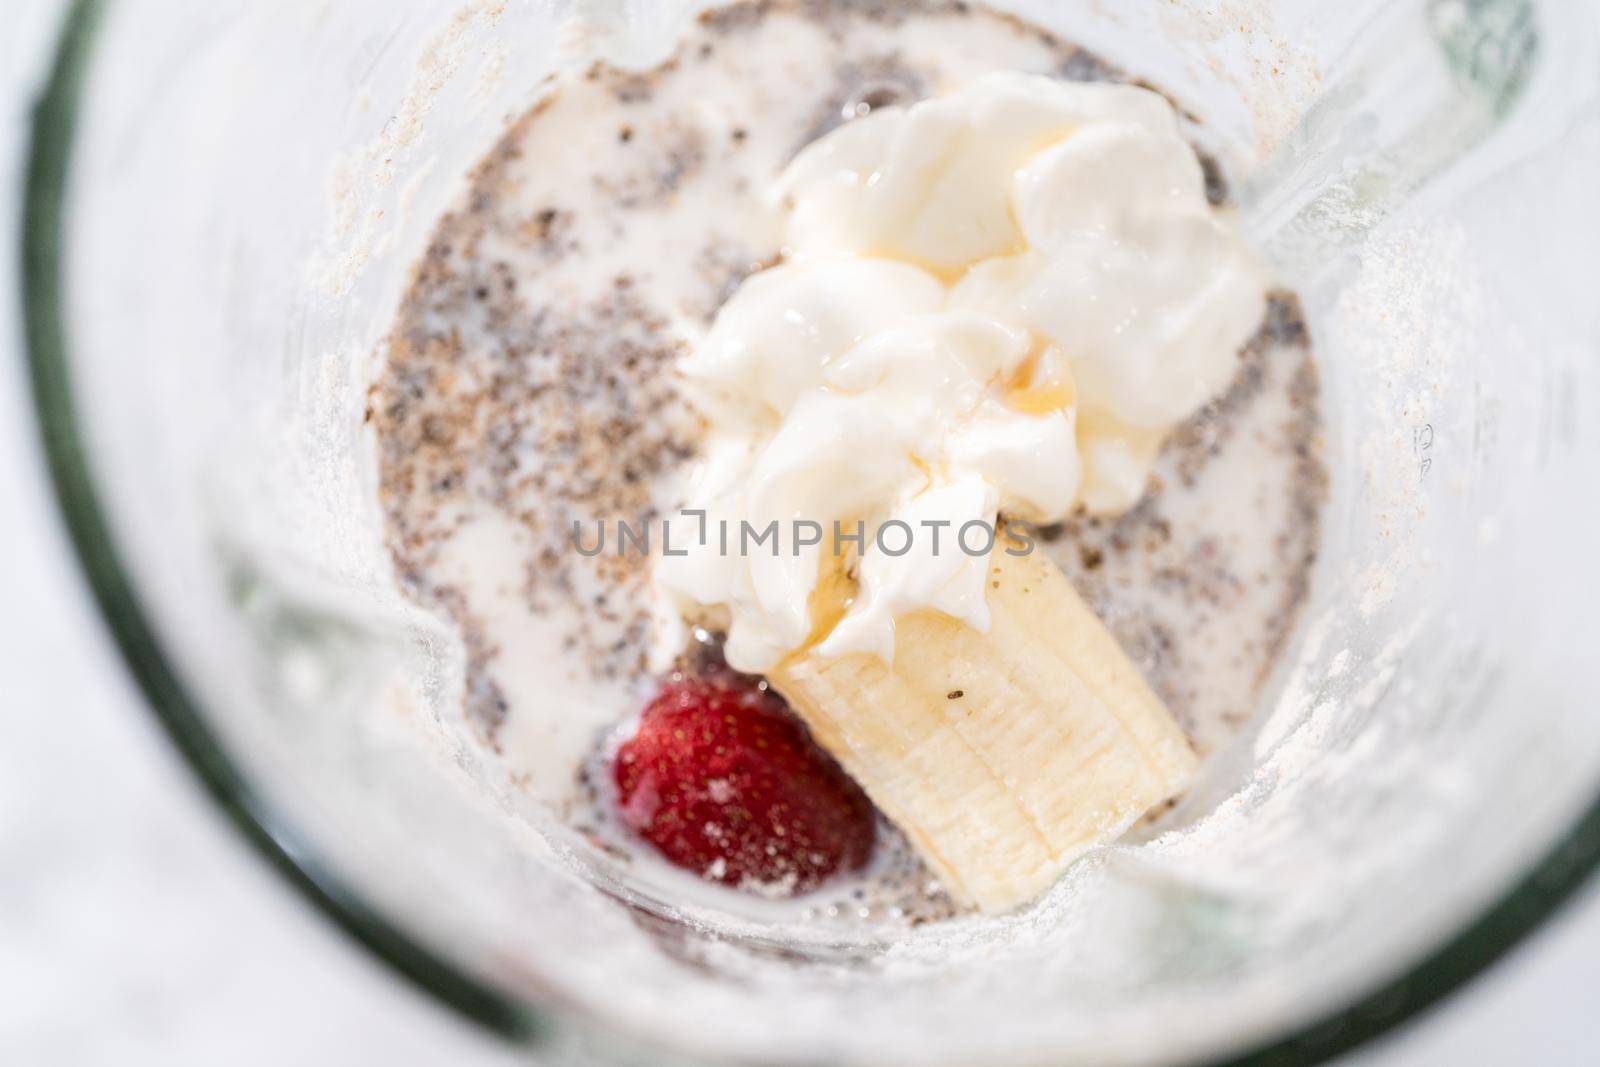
1476	946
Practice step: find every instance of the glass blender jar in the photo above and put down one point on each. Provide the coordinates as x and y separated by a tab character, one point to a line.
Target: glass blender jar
224	200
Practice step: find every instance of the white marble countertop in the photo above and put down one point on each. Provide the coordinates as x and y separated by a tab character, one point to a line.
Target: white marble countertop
136	928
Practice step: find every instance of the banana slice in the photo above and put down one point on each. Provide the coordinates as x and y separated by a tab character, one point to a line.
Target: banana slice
1004	755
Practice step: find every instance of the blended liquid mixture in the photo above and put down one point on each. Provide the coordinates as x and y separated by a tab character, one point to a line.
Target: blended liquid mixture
530	385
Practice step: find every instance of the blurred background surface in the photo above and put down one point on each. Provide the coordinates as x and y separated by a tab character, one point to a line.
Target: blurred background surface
135	928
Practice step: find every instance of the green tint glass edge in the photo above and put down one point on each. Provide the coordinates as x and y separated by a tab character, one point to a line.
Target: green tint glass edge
44	326
1534	900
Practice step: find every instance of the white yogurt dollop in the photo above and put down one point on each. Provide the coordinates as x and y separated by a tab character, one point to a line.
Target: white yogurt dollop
997	301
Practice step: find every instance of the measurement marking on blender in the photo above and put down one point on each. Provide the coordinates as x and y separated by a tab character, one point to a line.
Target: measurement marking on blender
1422	447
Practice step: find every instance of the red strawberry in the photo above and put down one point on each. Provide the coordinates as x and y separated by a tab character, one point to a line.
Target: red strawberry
725	782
